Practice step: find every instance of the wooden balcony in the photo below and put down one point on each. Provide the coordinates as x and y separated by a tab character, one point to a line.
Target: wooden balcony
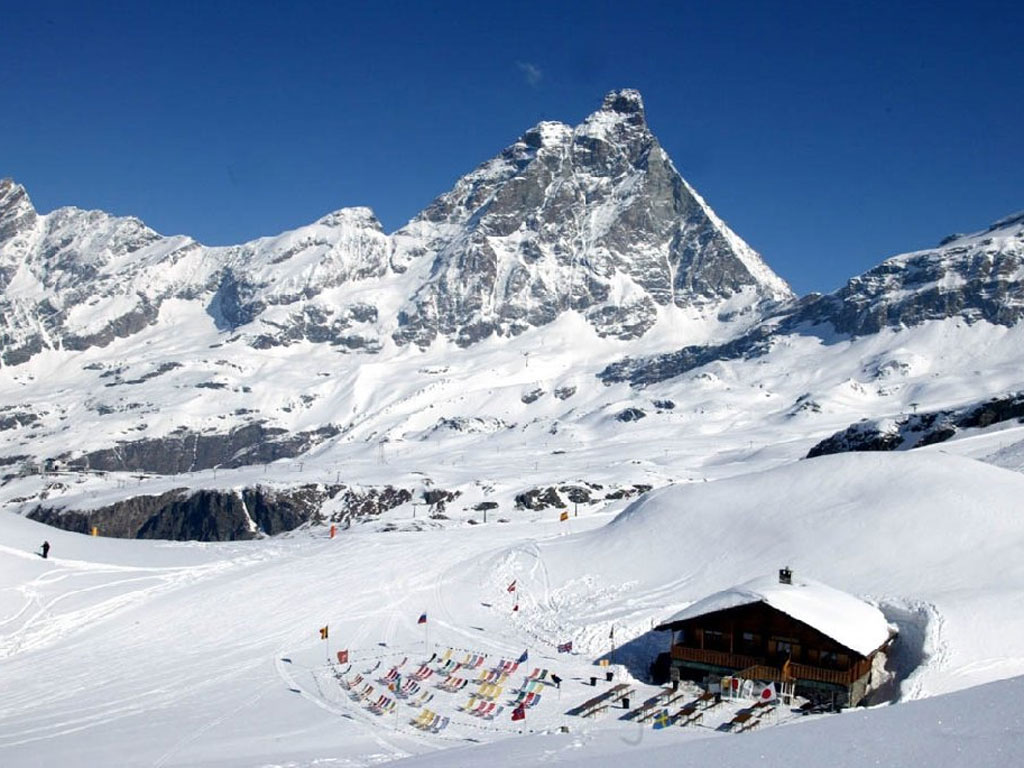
714	658
756	669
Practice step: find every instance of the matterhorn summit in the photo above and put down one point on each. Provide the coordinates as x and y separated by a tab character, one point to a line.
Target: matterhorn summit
593	219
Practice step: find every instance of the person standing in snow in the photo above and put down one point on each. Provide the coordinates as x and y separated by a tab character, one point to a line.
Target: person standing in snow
46	549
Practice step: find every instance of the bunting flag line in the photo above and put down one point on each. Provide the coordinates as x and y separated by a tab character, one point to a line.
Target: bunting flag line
323	632
512	587
343	657
422	619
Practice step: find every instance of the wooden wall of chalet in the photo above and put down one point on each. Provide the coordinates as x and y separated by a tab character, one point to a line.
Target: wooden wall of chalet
776	637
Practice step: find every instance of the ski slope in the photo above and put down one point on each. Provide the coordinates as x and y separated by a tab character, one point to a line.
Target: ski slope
146	653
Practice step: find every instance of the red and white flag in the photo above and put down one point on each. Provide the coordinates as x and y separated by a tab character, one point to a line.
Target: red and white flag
512	586
768	693
343	657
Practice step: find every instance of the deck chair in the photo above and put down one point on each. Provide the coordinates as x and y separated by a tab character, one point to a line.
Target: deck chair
421	720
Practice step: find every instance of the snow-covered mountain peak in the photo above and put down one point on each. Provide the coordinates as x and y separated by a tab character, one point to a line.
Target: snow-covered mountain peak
594	219
1014	219
355	216
547	133
620	120
625	101
16	210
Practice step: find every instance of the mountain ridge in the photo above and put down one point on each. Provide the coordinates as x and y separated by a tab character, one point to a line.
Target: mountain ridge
572	291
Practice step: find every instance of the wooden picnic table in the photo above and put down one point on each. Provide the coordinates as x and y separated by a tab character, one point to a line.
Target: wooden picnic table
647	710
742	718
688	714
670	696
603	700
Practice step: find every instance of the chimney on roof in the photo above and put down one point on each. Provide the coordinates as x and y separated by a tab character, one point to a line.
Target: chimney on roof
785	575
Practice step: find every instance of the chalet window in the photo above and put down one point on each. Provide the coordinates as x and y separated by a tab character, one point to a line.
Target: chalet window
785	648
750	642
829	659
715	640
680	637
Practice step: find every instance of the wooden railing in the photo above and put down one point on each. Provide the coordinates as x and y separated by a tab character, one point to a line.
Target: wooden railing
755	669
714	658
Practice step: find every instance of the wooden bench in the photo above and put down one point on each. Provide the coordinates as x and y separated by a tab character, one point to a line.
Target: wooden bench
647	710
668	696
688	715
741	719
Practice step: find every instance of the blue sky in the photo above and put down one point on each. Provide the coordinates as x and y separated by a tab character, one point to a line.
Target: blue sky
829	135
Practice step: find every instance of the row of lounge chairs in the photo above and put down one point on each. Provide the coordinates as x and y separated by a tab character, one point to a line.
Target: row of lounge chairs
382	706
430	721
529	699
531	686
492	676
488	710
489	691
453	684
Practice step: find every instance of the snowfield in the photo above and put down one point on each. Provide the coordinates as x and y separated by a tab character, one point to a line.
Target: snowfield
145	653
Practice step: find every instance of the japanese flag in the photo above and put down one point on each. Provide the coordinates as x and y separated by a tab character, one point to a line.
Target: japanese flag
768	693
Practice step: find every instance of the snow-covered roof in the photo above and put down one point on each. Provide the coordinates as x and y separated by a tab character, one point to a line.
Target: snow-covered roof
846	619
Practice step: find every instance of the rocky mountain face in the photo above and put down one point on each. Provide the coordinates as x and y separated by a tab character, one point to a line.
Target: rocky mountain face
976	277
912	430
594	219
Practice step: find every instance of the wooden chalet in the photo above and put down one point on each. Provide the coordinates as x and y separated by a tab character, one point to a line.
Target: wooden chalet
783	630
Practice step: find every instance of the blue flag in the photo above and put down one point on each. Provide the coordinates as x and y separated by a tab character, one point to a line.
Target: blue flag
524	657
423	619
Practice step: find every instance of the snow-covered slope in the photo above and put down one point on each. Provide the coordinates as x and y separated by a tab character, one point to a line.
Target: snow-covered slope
156	653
